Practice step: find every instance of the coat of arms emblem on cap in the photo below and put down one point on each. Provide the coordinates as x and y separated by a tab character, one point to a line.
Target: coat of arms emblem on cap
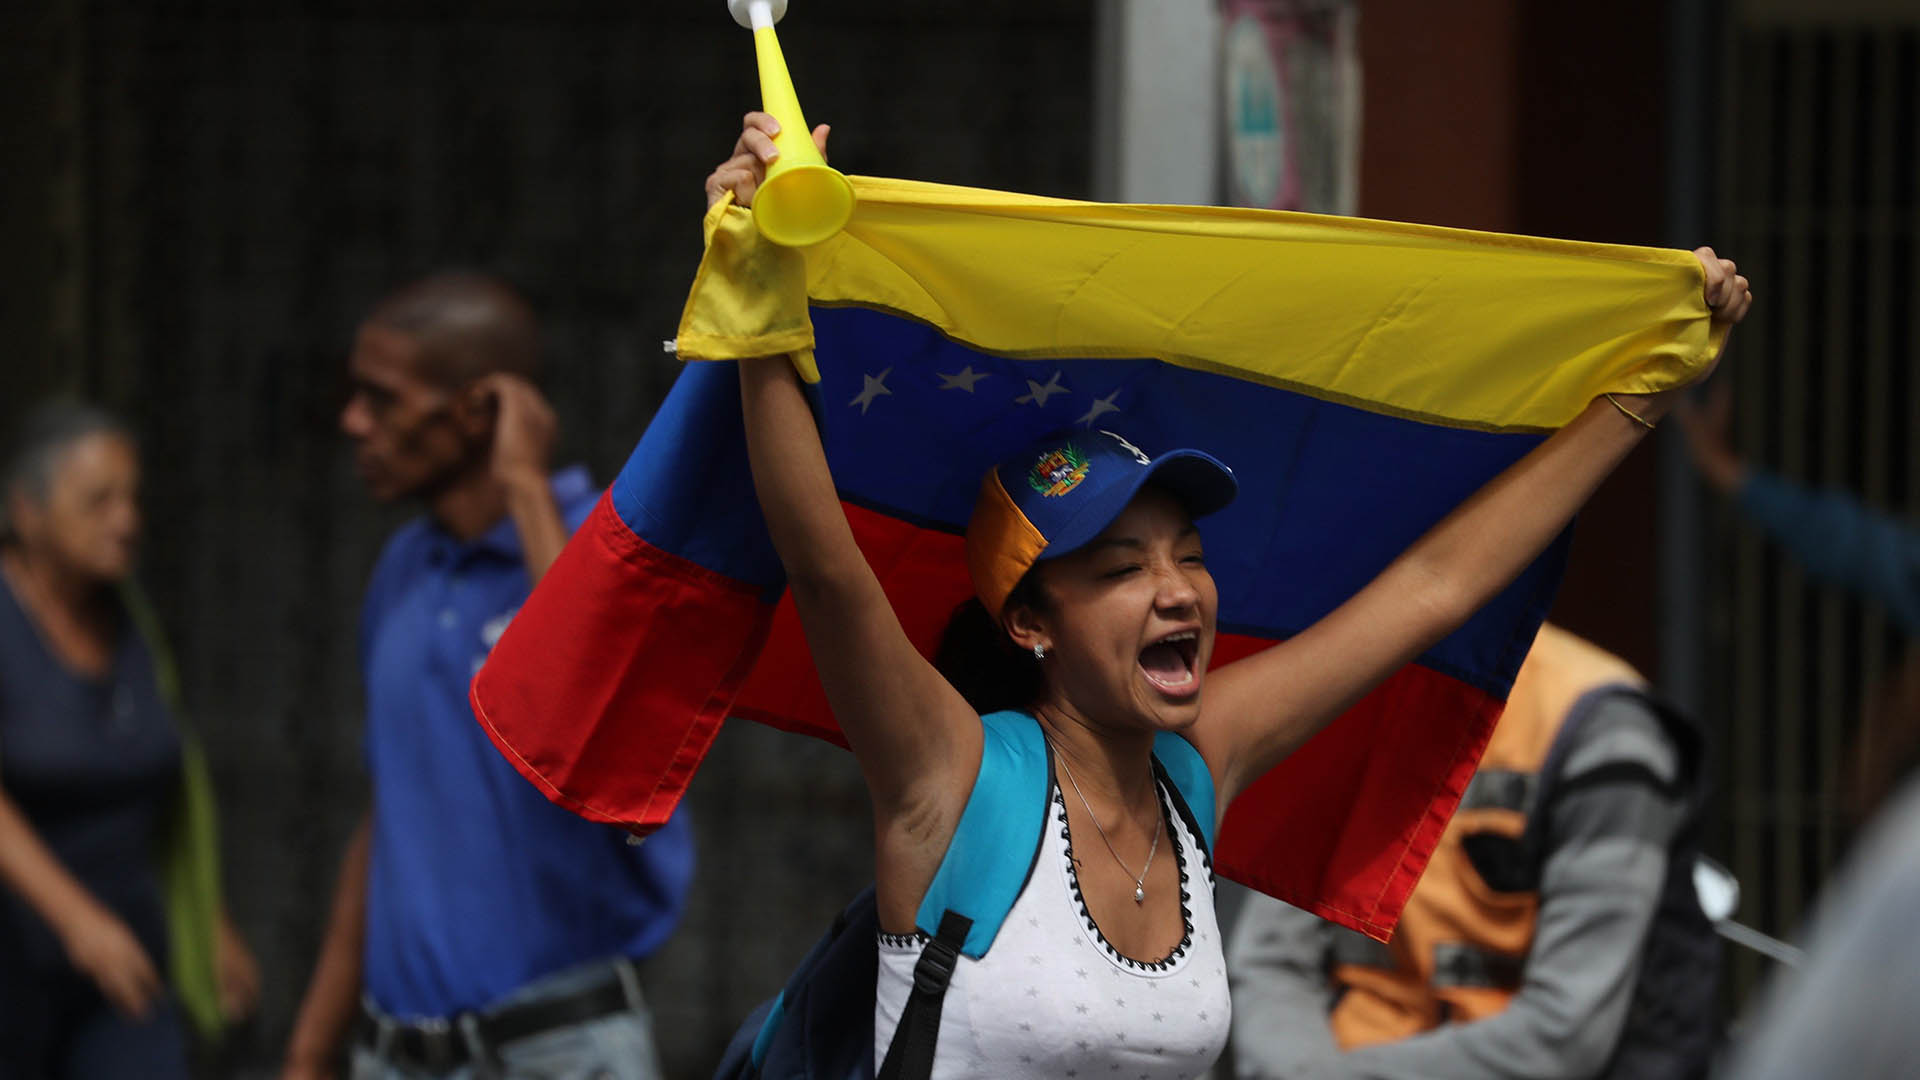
1058	471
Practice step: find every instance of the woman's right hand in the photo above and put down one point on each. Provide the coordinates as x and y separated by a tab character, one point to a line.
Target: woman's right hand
102	947
753	151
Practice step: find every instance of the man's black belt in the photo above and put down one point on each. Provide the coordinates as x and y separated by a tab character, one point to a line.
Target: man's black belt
441	1045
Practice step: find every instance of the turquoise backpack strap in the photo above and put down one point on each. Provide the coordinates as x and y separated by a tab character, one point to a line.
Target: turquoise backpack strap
1192	781
981	876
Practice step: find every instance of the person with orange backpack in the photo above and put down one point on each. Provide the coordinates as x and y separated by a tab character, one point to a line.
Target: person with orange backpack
1556	932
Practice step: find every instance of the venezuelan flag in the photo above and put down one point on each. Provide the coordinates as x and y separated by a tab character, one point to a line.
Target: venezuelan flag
1362	378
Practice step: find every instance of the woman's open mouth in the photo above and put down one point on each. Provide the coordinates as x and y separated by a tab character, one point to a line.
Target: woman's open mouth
1169	663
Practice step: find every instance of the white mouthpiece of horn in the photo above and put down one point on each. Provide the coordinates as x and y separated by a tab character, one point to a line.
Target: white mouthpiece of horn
754	14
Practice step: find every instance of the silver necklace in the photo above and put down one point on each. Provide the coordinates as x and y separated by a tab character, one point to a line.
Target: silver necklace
1140	879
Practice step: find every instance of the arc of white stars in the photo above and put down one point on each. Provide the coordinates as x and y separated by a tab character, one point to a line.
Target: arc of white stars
872	387
1037	394
964	379
1099	408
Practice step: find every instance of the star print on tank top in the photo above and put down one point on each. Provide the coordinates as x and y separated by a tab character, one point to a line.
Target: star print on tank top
1053	998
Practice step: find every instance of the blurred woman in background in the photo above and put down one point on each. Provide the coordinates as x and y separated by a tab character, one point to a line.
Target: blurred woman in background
106	824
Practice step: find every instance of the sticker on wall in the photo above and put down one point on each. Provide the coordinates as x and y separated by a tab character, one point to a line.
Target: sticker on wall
1291	91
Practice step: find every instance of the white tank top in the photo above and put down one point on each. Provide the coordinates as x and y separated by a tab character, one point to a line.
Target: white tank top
1053	999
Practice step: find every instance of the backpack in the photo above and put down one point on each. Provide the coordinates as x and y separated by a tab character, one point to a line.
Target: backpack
1671	1032
820	1027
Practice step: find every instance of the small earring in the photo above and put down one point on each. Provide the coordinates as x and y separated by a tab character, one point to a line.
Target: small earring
1039	651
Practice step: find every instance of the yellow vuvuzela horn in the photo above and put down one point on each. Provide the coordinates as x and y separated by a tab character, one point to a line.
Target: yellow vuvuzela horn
803	200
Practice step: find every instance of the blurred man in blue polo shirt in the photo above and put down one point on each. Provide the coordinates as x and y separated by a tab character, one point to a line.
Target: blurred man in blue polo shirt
483	931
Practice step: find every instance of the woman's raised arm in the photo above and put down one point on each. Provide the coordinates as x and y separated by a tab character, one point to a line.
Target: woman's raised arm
917	740
1258	710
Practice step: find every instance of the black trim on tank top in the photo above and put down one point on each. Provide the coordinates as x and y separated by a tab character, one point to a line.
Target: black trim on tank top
1167	962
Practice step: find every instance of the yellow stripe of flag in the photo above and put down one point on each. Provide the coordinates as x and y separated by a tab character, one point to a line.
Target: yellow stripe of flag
1469	329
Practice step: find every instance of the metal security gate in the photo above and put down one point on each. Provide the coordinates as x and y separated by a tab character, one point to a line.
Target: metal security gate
1819	163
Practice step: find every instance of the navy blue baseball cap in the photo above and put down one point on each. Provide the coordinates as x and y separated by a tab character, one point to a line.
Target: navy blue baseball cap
1060	493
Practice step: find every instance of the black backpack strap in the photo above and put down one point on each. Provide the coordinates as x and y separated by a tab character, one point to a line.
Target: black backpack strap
910	1054
1184	772
1200	835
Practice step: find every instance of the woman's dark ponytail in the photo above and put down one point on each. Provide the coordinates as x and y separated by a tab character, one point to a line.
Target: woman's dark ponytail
981	662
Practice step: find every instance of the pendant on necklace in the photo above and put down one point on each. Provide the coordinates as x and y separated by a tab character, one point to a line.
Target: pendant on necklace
1139	893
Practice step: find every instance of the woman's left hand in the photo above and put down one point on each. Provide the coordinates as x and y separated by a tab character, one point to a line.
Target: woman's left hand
1728	293
1729	296
237	972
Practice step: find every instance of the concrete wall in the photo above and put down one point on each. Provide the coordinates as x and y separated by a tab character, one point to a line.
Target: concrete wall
1156	136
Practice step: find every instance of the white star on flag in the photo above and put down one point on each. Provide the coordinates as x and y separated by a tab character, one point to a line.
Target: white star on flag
873	387
1100	406
962	379
1037	394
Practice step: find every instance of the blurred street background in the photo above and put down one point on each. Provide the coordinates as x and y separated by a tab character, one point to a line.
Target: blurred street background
201	199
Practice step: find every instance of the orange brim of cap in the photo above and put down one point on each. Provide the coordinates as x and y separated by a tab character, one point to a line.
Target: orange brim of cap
1002	545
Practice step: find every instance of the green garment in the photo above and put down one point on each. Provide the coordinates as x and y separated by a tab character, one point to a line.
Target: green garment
190	849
